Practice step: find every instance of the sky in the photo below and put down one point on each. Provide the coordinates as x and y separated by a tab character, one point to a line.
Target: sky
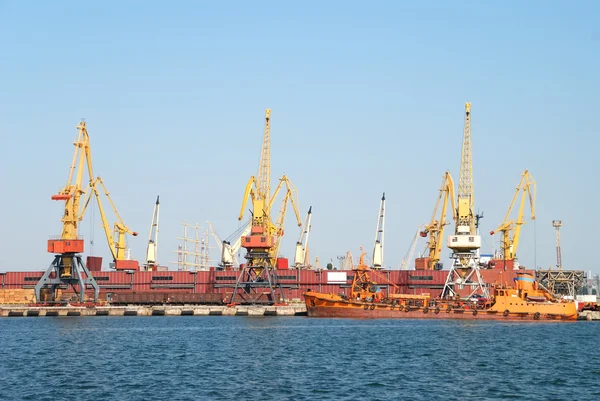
366	98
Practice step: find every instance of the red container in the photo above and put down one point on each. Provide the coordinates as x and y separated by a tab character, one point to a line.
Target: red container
94	263
282	263
421	263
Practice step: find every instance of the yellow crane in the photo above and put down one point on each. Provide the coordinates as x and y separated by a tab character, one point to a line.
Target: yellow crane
511	229
116	237
67	266
435	228
258	277
465	241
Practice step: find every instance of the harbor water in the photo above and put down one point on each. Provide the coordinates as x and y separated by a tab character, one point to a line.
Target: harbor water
295	358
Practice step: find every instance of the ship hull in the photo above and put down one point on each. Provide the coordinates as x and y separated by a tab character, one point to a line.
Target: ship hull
322	307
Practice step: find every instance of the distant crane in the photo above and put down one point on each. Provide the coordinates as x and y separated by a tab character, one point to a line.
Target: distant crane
230	246
301	257
435	228
151	252
67	266
405	263
465	242
378	249
511	229
557	224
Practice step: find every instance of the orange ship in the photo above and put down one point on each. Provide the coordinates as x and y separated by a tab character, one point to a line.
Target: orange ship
526	301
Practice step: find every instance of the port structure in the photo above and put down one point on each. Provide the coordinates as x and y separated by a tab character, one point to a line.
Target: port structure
379	236
301	257
116	237
152	248
511	229
465	241
557	224
436	226
257	281
229	247
67	268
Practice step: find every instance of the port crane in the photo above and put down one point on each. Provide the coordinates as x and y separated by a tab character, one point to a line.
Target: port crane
258	280
465	241
152	249
378	248
301	257
511	229
67	268
435	228
230	246
404	264
116	237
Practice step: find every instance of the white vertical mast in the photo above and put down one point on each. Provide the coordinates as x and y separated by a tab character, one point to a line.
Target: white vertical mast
378	249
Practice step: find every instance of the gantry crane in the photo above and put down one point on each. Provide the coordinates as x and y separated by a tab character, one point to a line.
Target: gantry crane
258	279
301	258
435	228
511	229
465	242
67	266
378	248
152	249
118	247
230	246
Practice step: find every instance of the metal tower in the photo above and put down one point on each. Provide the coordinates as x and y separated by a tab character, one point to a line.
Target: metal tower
67	268
152	249
378	249
258	279
465	242
557	224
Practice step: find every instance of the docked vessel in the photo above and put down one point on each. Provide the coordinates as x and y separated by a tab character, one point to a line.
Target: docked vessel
523	301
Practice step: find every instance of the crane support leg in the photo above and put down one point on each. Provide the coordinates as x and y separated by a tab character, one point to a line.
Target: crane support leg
257	285
68	269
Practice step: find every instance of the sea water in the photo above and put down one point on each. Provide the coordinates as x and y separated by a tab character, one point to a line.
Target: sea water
296	358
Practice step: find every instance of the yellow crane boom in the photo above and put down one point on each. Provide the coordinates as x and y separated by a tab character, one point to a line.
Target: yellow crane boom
510	243
118	247
435	228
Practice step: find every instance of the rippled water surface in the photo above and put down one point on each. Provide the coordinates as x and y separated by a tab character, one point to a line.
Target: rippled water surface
296	358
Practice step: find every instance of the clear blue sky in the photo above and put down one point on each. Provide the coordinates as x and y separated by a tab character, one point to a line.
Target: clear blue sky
367	97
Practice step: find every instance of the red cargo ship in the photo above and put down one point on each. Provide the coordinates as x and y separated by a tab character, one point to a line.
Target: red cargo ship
523	300
294	283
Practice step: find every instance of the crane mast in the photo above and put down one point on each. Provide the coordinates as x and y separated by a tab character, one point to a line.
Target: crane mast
301	256
511	229
258	278
264	168
67	266
152	249
435	228
465	242
378	248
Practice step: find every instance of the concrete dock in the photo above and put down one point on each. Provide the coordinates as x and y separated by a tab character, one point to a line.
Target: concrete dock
170	310
589	315
135	310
